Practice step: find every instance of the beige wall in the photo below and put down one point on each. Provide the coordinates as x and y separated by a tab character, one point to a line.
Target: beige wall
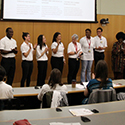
111	7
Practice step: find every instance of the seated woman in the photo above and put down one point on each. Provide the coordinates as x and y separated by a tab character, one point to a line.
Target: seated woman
101	80
53	84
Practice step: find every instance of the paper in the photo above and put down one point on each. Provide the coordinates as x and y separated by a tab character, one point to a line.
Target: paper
83	86
60	123
81	112
80	86
117	84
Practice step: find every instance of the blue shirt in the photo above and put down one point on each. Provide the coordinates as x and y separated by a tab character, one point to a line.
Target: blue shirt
95	84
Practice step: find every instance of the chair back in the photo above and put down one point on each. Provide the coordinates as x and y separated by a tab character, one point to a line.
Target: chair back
121	96
9	104
47	99
54	99
100	95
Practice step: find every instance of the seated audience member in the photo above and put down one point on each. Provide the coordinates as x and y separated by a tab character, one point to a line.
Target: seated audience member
5	89
54	83
101	80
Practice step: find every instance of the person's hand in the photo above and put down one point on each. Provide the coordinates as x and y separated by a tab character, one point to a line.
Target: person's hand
100	48
15	51
119	51
123	50
58	42
93	76
64	61
80	54
46	49
35	45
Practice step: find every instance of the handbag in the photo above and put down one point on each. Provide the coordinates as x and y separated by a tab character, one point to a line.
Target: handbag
22	122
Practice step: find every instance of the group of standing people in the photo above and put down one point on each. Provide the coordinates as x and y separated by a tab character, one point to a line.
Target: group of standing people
88	49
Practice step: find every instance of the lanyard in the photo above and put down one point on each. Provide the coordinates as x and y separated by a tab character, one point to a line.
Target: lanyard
89	42
75	46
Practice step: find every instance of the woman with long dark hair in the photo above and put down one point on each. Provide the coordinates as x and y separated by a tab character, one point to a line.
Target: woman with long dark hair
42	59
54	83
57	47
101	80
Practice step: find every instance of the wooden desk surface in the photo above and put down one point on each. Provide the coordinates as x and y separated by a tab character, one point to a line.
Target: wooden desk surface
31	91
39	114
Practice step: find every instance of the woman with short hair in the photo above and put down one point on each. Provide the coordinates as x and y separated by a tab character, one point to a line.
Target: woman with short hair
118	56
74	51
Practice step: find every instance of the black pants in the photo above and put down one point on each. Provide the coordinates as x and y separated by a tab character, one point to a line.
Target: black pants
42	69
73	67
98	56
9	66
57	62
27	68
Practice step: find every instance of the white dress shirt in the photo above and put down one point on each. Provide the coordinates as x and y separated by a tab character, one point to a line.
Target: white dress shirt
87	46
60	51
100	42
71	48
5	91
7	45
24	49
40	51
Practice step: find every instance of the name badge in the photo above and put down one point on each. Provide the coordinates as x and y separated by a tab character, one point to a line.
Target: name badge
101	42
89	51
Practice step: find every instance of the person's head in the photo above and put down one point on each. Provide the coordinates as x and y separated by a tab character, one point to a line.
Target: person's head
88	33
101	72
55	78
75	38
9	32
2	73
99	31
56	37
120	36
41	41
26	36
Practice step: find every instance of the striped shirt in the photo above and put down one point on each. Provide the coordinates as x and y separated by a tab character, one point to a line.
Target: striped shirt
95	84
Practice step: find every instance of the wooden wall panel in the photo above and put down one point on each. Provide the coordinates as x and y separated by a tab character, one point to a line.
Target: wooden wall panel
67	29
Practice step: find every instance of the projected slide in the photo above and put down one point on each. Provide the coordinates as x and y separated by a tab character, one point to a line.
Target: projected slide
53	10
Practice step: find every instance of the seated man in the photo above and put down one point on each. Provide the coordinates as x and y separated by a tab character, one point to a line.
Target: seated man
5	89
